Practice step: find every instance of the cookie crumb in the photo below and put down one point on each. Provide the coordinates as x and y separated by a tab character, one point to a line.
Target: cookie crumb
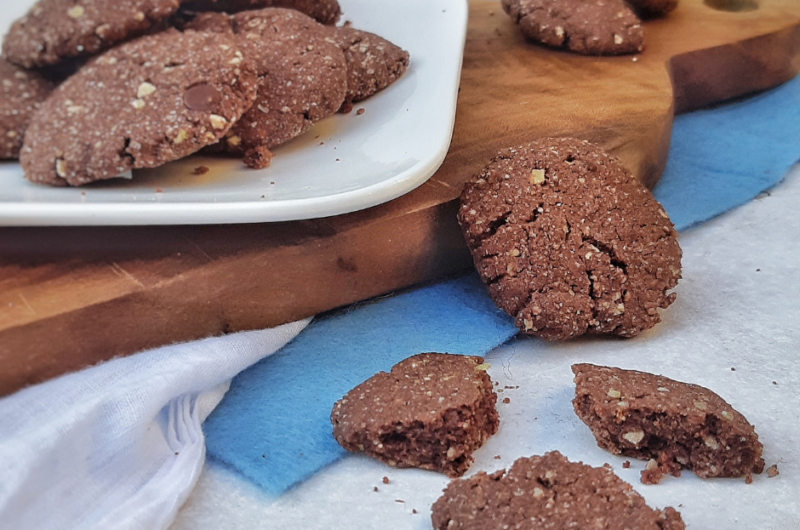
159	190
401	501
626	464
385	480
507	401
652	473
748	479
497	457
258	158
375	489
360	111
772	471
414	511
201	170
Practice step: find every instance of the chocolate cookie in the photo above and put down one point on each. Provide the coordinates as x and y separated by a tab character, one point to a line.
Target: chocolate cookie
21	93
677	424
432	411
373	63
323	11
304	74
568	242
599	27
54	30
142	104
547	492
653	8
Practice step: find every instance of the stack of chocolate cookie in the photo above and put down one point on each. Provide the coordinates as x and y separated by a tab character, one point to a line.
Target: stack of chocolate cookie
172	78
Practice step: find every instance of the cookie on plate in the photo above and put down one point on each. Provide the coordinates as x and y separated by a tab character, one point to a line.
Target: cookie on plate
547	492
55	30
609	27
373	63
323	11
568	242
142	104
432	411
653	8
21	93
303	74
676	424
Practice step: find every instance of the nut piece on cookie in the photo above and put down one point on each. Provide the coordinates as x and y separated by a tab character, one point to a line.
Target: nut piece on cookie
671	424
432	411
21	93
323	11
55	30
547	492
653	8
373	63
568	242
609	27
140	105
303	70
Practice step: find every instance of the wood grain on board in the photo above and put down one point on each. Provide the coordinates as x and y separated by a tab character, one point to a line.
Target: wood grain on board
72	297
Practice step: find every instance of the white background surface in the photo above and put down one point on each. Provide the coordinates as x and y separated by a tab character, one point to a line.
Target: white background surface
396	145
727	314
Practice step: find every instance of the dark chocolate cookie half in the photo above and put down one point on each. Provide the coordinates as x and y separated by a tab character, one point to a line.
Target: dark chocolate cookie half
21	93
142	104
54	30
677	424
432	411
568	242
303	74
597	27
547	492
373	63
653	8
323	11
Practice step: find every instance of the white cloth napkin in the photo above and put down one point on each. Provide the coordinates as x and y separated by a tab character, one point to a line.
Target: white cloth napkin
119	445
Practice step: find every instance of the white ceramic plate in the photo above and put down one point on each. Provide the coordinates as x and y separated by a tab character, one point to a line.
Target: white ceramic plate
345	163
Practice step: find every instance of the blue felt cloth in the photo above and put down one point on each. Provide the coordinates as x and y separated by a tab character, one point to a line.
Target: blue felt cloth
723	157
274	427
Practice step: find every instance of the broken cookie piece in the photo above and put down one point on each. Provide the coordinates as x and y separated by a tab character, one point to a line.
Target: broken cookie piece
432	411
568	242
671	424
548	492
609	27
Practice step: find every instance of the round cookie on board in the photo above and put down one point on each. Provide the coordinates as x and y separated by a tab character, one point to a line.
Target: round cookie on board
21	93
568	242
607	27
143	104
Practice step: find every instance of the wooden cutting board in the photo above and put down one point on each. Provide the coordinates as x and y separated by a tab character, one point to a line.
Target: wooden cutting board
71	297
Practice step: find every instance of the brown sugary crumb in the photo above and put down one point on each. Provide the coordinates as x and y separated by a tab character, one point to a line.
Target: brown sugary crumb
258	158
772	471
414	511
360	111
507	401
385	480
652	473
748	479
497	457
400	501
733	369
201	170
626	464
375	489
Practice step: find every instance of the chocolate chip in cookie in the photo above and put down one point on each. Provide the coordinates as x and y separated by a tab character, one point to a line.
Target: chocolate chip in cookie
547	492
373	63
675	425
142	104
607	27
21	93
568	242
55	30
303	74
432	411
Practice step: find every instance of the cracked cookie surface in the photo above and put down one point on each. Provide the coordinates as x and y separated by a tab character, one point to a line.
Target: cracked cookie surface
21	93
142	104
54	30
547	492
568	242
600	27
432	411
302	68
674	424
